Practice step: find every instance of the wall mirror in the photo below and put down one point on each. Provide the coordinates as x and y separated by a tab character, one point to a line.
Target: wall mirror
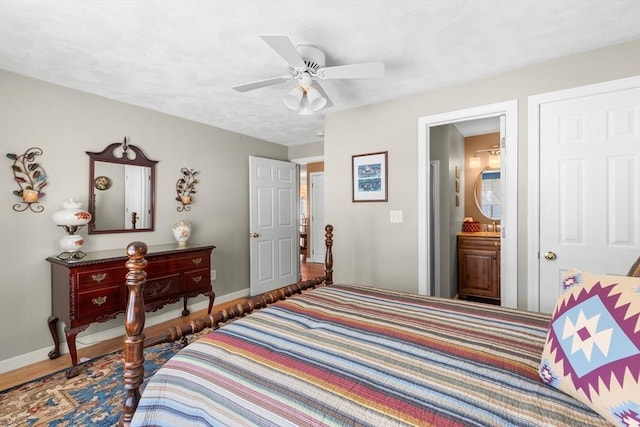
121	190
487	193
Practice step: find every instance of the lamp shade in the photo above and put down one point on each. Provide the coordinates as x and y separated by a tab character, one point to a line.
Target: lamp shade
293	99
315	99
305	108
71	214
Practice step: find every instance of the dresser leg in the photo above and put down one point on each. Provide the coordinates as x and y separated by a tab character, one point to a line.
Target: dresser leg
185	311
212	298
53	328
71	342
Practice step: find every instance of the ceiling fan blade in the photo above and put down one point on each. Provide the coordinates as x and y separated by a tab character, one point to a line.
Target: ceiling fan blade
324	94
261	83
283	47
367	70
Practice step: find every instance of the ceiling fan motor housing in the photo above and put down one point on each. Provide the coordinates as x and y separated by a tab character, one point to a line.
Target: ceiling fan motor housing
313	58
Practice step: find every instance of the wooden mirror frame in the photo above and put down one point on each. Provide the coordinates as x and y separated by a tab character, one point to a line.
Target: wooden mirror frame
108	155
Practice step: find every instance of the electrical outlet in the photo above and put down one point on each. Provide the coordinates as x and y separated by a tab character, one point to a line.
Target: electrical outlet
213	275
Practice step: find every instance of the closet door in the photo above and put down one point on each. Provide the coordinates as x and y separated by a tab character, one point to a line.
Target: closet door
589	187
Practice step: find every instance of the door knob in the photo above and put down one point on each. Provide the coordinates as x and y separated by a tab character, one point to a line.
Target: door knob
549	256
254	235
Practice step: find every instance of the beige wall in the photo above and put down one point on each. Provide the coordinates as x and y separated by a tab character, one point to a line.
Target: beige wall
305	151
65	123
371	250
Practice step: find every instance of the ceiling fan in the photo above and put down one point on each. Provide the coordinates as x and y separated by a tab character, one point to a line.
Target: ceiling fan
306	67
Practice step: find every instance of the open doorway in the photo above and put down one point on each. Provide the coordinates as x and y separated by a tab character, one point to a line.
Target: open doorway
465	157
311	216
508	171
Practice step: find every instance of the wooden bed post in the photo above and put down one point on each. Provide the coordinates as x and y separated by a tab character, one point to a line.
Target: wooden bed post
134	327
135	342
328	258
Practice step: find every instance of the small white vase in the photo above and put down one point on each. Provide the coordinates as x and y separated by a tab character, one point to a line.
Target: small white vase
181	232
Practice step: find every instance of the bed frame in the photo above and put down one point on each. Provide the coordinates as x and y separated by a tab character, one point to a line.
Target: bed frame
135	341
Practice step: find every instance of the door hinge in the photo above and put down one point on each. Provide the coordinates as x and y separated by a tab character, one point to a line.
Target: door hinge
503	142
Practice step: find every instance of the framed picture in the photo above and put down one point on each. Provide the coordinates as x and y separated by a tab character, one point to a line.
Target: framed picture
102	183
369	177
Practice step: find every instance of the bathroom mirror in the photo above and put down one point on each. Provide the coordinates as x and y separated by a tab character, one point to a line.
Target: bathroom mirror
487	193
121	190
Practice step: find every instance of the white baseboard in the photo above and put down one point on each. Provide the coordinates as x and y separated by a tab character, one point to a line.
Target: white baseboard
84	341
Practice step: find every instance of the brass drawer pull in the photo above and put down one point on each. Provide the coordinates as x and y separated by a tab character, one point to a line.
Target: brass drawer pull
196	261
196	279
99	277
99	300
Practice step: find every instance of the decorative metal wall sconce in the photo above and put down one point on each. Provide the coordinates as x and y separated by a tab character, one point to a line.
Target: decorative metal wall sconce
31	179
186	188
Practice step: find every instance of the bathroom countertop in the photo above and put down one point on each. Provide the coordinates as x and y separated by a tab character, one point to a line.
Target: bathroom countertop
480	234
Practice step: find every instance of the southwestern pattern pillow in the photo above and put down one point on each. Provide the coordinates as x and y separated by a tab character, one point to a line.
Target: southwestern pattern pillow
592	350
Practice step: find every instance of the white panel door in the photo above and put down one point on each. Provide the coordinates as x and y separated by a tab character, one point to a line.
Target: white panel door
273	188
589	187
137	183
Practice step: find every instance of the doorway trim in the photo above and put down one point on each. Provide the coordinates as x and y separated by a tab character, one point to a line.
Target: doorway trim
315	233
533	108
310	235
509	237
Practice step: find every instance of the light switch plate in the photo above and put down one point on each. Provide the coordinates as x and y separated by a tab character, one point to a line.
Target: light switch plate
395	216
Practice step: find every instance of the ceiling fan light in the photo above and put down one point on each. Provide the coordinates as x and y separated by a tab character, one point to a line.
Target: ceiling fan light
293	99
315	99
305	108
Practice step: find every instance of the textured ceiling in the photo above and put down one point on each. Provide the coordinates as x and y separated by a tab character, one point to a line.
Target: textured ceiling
183	57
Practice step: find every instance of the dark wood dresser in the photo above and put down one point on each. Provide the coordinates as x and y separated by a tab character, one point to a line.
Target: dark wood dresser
93	288
479	265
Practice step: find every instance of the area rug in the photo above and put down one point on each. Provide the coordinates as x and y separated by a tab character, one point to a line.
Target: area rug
93	398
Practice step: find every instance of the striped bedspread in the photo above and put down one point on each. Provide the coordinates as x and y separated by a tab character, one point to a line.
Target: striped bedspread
352	355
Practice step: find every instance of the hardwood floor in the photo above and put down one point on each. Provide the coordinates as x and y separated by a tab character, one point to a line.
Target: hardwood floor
47	367
309	270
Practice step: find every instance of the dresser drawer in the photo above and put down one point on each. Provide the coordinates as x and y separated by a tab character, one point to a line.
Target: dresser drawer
161	266
99	277
197	280
161	287
93	305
